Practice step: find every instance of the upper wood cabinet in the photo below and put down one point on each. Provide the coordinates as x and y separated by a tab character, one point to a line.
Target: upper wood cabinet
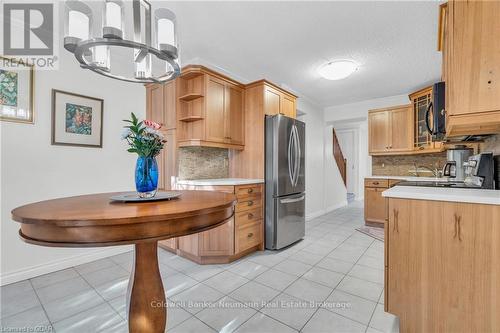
160	107
289	108
234	116
471	65
169	107
277	100
210	109
378	129
423	142
390	130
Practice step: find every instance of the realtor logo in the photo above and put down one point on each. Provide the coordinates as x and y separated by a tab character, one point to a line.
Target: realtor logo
28	29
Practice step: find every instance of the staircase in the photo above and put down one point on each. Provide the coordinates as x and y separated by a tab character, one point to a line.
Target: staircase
339	158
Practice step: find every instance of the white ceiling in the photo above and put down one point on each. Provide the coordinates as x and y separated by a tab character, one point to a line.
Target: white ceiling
285	42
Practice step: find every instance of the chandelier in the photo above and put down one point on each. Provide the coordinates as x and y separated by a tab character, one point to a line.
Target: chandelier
140	40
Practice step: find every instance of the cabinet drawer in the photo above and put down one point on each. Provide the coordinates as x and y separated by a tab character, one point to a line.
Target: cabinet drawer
249	216
248	203
243	191
248	236
376	183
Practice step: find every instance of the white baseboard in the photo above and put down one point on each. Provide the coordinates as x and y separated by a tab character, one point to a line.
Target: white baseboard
325	211
336	206
314	215
33	271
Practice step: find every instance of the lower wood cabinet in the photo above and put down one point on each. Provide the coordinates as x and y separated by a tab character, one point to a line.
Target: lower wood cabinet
375	205
443	266
376	213
240	236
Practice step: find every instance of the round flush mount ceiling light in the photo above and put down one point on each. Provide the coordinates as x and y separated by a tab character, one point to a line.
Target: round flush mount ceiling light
338	69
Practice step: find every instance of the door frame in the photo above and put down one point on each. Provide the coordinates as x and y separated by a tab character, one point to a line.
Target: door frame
352	176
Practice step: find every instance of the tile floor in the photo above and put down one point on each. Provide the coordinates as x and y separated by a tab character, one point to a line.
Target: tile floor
332	281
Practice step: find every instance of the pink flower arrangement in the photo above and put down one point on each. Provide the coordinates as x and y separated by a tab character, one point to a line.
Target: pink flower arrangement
152	124
143	137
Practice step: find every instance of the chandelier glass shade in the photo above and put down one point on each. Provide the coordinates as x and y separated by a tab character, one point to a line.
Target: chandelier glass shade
123	39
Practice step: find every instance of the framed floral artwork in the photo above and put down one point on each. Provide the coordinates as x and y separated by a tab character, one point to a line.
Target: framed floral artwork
76	119
16	91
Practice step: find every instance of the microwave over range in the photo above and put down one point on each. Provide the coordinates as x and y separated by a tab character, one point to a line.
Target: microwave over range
436	111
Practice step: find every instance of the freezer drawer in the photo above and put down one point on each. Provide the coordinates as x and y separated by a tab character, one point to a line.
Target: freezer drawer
285	220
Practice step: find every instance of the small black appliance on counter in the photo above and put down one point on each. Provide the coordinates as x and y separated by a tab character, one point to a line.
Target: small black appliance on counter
479	171
482	171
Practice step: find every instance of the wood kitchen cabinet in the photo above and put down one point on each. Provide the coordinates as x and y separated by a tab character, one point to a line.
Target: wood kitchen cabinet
423	142
261	98
390	130
443	266
470	44
376	206
243	234
277	100
210	108
160	107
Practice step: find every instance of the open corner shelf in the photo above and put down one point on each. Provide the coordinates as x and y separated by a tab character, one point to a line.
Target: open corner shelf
190	97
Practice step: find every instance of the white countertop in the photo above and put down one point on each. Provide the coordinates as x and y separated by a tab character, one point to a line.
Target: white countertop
488	197
411	178
220	182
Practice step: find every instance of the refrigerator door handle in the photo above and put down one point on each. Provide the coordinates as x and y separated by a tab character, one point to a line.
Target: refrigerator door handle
297	155
294	154
290	171
285	201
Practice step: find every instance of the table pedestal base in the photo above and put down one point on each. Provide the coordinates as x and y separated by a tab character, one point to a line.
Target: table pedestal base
147	308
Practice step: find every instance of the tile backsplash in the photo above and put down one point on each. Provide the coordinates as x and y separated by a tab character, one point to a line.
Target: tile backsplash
203	163
402	165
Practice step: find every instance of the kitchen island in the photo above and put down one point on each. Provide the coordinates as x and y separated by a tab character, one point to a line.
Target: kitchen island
442	259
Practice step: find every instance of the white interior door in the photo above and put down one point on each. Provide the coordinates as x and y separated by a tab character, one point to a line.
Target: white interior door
349	146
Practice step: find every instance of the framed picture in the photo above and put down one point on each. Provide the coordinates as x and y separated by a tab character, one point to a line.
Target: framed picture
76	119
16	91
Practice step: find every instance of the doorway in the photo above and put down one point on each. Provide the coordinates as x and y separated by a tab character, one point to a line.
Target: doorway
348	140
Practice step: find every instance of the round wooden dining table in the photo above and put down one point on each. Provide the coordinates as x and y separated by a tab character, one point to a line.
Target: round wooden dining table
95	221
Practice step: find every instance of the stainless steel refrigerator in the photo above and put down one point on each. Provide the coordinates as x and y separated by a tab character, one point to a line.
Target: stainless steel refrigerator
285	183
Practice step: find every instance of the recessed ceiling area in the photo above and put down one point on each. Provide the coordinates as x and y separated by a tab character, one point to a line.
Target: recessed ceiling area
394	44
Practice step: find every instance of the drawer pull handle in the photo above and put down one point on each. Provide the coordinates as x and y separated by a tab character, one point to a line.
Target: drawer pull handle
250	235
458	227
250	190
250	203
250	216
376	183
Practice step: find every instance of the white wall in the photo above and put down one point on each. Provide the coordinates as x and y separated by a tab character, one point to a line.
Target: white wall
314	157
33	170
352	116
